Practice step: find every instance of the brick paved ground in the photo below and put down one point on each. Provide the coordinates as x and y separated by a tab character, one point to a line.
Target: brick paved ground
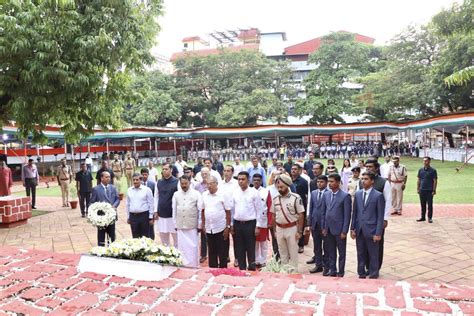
35	282
438	252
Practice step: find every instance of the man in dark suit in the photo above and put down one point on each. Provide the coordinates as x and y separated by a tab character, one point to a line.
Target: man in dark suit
336	216
105	167
367	226
314	223
105	192
146	181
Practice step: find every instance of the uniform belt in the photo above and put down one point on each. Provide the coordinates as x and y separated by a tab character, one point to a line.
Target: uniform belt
400	181
287	225
129	168
63	179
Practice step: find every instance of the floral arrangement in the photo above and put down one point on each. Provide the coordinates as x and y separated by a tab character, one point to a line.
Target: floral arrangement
101	214
275	265
140	249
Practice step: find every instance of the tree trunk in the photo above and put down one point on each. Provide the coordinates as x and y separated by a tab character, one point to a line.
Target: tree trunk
449	137
330	139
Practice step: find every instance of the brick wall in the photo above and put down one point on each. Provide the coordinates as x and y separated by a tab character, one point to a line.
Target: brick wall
14	210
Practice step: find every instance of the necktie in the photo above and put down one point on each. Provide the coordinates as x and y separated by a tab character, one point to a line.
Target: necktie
319	195
332	197
365	197
106	192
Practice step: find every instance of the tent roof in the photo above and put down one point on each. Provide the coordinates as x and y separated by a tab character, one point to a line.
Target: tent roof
451	122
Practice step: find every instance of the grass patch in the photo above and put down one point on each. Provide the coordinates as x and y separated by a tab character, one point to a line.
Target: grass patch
35	213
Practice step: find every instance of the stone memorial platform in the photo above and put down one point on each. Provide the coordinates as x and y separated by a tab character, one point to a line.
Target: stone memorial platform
14	211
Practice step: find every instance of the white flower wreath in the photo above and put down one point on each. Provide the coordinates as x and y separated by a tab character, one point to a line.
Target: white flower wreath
101	214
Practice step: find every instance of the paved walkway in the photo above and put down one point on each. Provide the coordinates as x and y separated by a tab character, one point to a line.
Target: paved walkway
438	252
34	282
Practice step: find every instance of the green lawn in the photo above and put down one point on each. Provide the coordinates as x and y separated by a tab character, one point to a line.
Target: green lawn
453	187
38	213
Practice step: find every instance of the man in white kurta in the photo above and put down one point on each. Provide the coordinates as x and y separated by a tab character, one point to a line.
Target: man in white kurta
187	206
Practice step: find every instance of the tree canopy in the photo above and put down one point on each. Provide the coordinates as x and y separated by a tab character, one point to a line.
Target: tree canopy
69	62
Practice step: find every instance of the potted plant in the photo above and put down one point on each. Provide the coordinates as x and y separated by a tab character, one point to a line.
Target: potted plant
73	196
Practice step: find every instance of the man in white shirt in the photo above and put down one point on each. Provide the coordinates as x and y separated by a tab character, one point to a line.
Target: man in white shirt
180	165
229	185
88	162
249	216
238	167
216	222
187	207
261	243
152	172
385	168
139	207
208	165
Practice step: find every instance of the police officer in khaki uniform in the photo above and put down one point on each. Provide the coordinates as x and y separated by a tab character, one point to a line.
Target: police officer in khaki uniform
288	219
64	176
129	169
117	167
397	176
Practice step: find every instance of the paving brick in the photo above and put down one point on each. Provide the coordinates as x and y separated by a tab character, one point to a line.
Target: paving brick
432	306
109	303
305	297
274	289
22	308
91	286
236	307
97	312
69	294
49	302
65	259
467	308
45	268
129	309
237	281
120	280
25	276
122	291
182	309
183	274
214	289
238	292
211	300
376	312
277	309
13	290
187	290
35	294
394	297
147	296
5	282
448	292
77	305
370	301
344	304
339	285
163	284
60	282
93	276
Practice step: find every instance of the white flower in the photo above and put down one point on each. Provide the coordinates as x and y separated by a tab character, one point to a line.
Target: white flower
107	215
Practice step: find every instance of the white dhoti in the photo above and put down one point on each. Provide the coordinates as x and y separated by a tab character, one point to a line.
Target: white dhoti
261	252
188	243
165	226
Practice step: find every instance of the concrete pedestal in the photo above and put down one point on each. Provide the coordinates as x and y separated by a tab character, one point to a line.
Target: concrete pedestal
14	211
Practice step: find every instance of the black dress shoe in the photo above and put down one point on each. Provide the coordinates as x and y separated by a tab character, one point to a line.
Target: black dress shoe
316	270
374	276
421	220
300	249
340	275
312	261
325	272
362	276
33	207
83	215
430	221
334	274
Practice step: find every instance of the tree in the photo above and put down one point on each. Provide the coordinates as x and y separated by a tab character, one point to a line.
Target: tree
213	89
153	103
339	59
69	62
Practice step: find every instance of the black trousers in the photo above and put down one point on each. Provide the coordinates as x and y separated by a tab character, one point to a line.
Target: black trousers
151	232
276	253
30	185
301	240
109	230
84	201
218	250
368	256
319	248
203	245
336	248
140	224
244	243
426	198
